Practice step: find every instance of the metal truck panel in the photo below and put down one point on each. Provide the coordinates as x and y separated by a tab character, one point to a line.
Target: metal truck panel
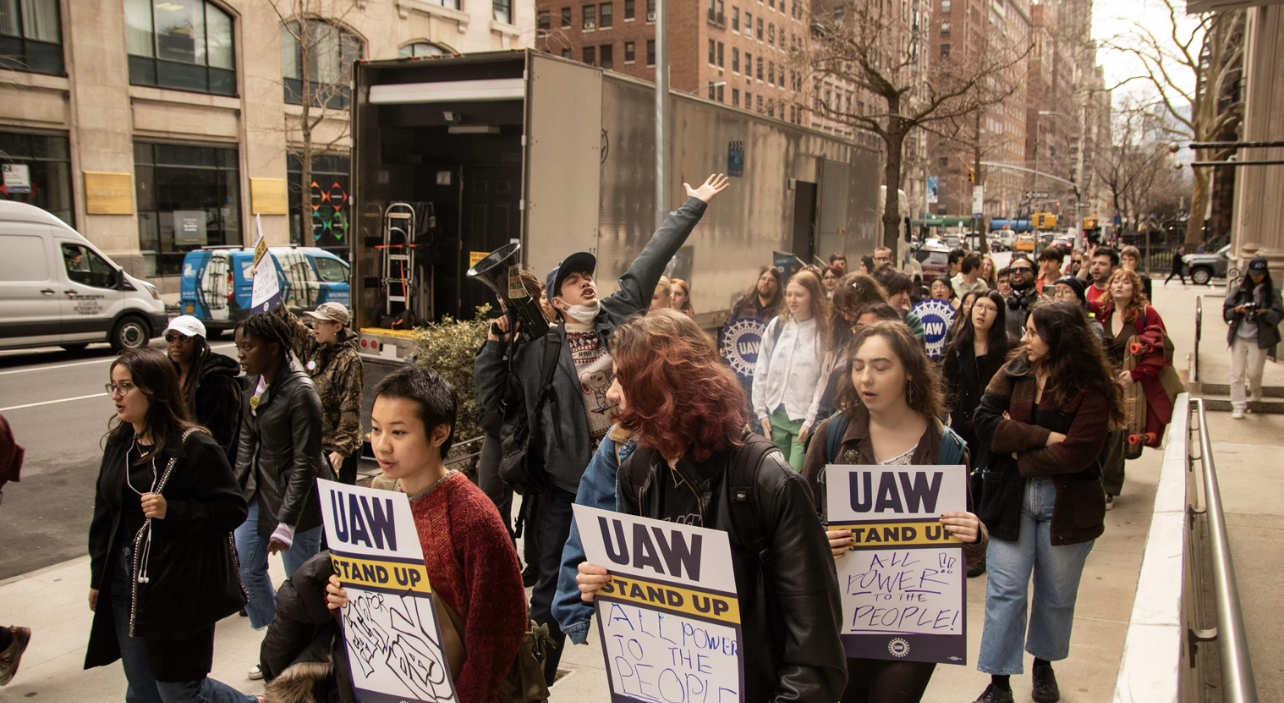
564	147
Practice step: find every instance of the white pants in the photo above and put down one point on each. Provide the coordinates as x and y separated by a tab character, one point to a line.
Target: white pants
1246	359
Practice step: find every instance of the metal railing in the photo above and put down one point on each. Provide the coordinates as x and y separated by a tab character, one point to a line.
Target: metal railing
1199	334
1187	579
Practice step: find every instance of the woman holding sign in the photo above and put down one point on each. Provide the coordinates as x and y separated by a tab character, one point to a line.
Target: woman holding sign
1041	426
889	406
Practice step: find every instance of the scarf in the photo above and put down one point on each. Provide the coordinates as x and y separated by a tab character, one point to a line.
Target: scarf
585	314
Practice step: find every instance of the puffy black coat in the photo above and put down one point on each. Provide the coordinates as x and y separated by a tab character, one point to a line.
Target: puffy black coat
204	505
303	658
279	452
215	400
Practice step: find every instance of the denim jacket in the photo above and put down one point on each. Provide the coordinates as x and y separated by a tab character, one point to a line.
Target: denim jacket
597	490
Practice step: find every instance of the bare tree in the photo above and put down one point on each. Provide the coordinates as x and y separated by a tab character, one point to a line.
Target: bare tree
1135	158
866	45
321	64
1207	53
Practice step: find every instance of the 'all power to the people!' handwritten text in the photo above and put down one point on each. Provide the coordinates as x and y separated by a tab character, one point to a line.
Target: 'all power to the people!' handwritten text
390	626
669	618
904	585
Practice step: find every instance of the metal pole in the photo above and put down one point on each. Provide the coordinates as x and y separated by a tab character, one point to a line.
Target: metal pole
1238	685
661	111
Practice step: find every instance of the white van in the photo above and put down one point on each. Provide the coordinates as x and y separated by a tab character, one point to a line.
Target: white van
56	289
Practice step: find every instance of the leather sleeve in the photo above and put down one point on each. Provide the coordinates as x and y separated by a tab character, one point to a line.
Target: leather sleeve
813	664
637	285
247	442
218	507
301	476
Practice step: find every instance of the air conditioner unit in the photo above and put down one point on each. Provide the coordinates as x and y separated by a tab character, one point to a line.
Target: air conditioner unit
650	17
590	25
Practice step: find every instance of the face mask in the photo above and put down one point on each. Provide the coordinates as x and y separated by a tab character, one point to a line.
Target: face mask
584	314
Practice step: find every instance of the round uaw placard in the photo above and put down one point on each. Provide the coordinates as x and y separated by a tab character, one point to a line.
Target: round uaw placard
741	340
937	317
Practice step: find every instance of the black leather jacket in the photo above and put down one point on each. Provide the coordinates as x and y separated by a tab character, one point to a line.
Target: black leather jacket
790	610
279	455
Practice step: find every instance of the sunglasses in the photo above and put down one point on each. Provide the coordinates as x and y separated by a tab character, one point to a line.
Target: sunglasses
170	337
1021	269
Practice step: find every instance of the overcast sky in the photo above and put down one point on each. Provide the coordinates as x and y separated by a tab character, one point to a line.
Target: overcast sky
1115	19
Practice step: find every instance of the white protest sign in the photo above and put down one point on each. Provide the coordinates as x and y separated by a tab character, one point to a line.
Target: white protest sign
904	586
267	288
670	618
390	626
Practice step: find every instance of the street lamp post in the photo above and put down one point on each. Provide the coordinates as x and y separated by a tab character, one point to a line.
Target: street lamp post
661	111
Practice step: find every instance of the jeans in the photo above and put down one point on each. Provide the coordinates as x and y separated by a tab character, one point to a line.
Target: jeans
1247	362
1056	586
784	432
142	685
252	550
555	529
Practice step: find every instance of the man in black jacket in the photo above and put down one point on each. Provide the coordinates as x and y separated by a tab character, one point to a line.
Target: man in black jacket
574	415
1021	279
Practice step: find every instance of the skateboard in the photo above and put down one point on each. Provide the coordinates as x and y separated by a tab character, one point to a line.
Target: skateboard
1134	399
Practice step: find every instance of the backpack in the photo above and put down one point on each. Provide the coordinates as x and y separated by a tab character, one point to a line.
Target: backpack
952	449
522	462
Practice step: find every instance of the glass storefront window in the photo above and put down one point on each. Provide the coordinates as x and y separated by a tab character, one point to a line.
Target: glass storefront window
330	53
188	197
31	36
326	224
48	162
180	44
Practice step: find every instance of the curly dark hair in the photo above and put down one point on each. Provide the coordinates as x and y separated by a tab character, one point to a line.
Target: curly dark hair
269	328
928	396
153	375
682	400
1076	360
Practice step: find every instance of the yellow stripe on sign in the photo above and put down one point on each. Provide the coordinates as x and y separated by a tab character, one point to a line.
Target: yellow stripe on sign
899	534
259	251
673	598
381	574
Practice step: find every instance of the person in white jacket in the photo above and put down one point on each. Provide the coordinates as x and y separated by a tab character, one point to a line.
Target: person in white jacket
787	381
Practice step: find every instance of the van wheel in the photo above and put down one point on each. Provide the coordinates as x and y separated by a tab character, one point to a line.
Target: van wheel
130	333
213	334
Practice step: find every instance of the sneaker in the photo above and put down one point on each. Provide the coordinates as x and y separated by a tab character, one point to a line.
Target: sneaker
12	655
1045	688
530	575
1237	414
994	694
255	673
1110	501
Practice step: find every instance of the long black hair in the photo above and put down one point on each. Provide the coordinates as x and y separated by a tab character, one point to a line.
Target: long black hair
271	329
200	349
998	341
1076	359
751	295
153	375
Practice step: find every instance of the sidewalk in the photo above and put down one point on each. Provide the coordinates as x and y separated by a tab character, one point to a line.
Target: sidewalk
53	601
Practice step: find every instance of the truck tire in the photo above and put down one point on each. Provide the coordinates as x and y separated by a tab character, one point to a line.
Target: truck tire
130	332
1201	275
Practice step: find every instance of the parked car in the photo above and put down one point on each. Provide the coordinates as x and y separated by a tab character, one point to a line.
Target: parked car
1204	268
217	287
935	263
997	244
1066	243
57	289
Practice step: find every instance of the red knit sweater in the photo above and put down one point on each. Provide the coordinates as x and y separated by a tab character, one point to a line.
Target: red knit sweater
472	565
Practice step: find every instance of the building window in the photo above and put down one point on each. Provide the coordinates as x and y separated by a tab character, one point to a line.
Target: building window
722	95
590	55
566	53
945	51
329	203
721	47
735	97
330	53
503	10
716	13
735	60
630	52
712	91
606	56
605	16
713	52
188	197
759	29
31	36
760	69
748	100
760	104
179	44
771	34
566	18
944	162
650	10
749	25
945	29
48	163
735	19
544	23
628	10
423	48
589	13
748	65
650	52
945	6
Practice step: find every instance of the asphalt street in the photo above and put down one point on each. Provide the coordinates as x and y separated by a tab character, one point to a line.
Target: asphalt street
55	402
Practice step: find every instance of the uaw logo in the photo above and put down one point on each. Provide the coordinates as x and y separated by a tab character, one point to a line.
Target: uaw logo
937	316
741	340
898	648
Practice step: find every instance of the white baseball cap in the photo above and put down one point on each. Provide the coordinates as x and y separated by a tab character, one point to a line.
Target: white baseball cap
187	325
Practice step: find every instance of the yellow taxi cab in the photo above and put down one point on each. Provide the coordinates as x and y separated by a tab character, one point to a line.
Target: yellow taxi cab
1024	242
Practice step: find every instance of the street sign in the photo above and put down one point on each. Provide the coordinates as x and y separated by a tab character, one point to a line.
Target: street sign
17	178
978	201
933	190
1035	195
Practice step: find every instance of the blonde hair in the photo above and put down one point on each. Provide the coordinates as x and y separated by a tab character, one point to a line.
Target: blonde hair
819	307
686	290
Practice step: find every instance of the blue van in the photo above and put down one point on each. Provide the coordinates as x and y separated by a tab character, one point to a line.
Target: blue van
217	287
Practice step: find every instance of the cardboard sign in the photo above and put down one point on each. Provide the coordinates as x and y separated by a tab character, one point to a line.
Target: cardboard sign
267	287
390	624
670	618
937	317
904	586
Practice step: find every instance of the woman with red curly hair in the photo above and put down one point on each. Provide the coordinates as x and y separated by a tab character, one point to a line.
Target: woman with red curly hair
686	410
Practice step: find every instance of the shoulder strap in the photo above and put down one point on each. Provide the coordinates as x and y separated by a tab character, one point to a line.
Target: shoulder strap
838	423
741	479
952	448
776	328
552	348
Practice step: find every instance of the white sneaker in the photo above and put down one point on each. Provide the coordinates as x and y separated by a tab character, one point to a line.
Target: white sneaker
1238	413
255	673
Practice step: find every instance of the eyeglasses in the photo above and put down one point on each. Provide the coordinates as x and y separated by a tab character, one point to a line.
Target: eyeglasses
1021	269
122	389
170	337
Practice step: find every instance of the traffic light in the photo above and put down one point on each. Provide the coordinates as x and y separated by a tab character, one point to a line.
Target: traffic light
971	175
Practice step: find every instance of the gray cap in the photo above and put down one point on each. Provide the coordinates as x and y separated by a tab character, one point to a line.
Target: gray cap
333	312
